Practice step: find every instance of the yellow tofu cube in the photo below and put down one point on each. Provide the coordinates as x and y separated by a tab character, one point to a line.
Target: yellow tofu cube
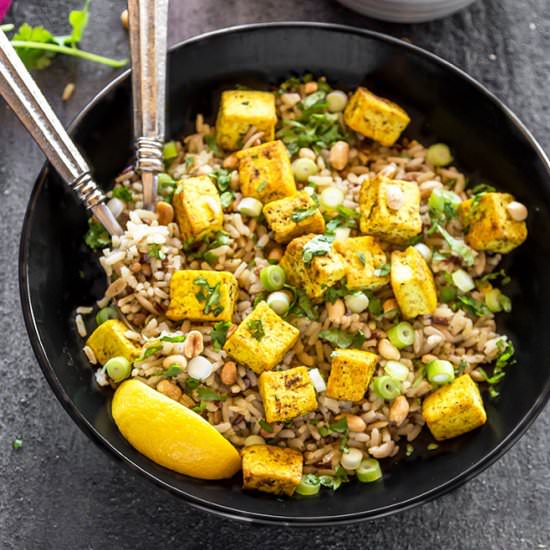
108	340
262	339
375	117
315	274
489	226
241	109
287	394
198	207
366	263
294	216
272	469
265	172
454	409
413	283
396	225
351	371
202	295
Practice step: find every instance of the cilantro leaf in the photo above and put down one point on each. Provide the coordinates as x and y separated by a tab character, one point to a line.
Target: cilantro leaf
303	213
210	295
96	236
458	248
123	193
302	305
172	370
266	426
213	146
79	21
382	271
320	245
342	339
475	307
31	57
151	350
208	394
219	334
256	329
192	383
156	252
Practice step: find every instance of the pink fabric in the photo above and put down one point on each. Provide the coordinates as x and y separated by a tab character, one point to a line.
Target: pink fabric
4	7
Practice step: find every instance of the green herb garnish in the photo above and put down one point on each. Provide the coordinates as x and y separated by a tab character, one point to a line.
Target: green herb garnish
475	307
17	443
261	186
172	370
266	426
154	250
341	339
458	248
213	146
36	46
256	329
192	383
303	213
207	394
382	271
219	334
210	295
151	350
96	236
173	339
123	193
320	245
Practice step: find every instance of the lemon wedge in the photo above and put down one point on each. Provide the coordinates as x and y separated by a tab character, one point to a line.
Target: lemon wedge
172	435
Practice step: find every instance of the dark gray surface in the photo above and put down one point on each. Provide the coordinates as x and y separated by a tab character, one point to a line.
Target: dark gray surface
60	491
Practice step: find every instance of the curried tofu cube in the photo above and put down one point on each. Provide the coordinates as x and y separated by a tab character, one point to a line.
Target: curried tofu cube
265	172
108	340
271	469
262	339
287	394
294	216
454	409
390	209
351	371
198	207
488	224
413	283
366	263
375	117
241	109
314	273
202	295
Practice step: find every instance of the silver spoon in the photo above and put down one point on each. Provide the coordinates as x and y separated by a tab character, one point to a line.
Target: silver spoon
148	22
31	107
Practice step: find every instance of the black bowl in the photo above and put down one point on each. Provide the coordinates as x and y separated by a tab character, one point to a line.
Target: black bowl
58	273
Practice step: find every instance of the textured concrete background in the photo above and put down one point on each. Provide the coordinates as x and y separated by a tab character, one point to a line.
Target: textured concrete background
60	491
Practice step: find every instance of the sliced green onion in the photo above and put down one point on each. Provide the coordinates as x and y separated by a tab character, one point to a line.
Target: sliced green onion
357	302
401	335
506	303
396	370
492	300
341	233
105	314
273	277
352	459
386	387
336	101
165	179
447	294
118	368
254	440
309	485
440	371
369	470
170	150
442	197
463	281
303	168
424	250
317	380
279	302
331	198
439	154
249	206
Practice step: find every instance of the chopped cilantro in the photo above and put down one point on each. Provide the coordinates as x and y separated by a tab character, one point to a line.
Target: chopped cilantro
17	443
303	213
156	252
458	247
505	358
334	482
362	258
192	383
208	394
495	275
151	350
210	295
473	306
375	306
266	426
219	334
256	329
342	339
123	193
335	292
302	305
172	370
261	186
212	145
320	245
96	236
382	271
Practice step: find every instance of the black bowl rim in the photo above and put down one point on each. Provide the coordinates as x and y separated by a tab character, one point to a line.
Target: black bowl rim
203	504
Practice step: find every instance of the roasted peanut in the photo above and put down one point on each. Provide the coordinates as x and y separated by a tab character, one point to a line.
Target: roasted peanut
165	213
194	344
399	410
169	389
228	373
387	350
339	155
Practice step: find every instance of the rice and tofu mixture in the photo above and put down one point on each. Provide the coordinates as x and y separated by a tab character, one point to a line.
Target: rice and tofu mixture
315	287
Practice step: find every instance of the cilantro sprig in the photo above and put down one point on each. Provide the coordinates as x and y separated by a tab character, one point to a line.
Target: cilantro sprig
210	295
37	46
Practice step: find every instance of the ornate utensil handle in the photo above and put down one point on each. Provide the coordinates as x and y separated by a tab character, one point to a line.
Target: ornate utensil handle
31	107
148	21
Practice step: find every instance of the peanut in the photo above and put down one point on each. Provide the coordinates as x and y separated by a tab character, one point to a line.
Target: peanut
355	423
135	267
187	401
194	344
124	19
387	350
399	410
310	87
230	162
336	310
169	389
115	288
394	197
339	155
517	211
228	373
276	254
165	213
290	99
178	360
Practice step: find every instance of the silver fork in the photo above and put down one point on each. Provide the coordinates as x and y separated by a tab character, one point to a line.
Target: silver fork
31	107
148	22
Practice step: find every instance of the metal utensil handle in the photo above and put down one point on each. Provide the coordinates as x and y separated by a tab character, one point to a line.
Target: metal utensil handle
148	21
31	107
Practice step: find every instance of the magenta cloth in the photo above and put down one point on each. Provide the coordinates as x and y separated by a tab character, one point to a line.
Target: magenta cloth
4	7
